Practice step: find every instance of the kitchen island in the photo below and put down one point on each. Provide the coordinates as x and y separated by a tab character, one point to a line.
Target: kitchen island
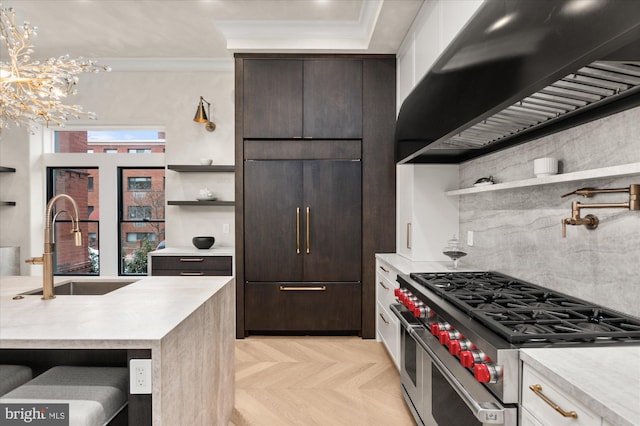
184	324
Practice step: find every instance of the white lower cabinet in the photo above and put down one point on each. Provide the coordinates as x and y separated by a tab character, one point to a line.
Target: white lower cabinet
536	411
387	325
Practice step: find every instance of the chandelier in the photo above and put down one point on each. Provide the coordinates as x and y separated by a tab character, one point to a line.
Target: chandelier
32	91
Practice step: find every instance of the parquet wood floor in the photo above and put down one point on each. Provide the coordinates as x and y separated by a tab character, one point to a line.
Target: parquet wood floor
316	381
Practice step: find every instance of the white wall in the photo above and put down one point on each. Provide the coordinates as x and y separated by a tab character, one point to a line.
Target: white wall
124	98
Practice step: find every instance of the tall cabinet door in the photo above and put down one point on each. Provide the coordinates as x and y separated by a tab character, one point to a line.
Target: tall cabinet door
272	99
273	221
333	99
333	220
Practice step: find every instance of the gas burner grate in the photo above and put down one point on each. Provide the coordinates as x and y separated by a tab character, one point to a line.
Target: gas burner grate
523	312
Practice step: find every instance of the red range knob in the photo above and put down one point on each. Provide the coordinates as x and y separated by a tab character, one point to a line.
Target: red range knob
411	302
397	292
470	357
487	373
459	345
447	335
437	327
423	311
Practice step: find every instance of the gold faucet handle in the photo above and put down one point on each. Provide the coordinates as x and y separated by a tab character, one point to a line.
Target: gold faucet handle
35	260
585	192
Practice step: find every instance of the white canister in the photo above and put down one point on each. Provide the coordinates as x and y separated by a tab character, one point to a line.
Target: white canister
545	166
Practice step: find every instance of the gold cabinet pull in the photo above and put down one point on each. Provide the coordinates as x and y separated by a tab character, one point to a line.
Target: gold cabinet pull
191	274
383	318
409	235
295	288
383	286
537	389
192	259
297	230
384	269
308	232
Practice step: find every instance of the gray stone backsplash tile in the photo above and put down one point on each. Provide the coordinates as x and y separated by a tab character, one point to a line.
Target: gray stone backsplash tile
518	232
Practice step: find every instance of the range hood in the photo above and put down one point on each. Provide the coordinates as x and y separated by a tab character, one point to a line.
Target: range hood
519	70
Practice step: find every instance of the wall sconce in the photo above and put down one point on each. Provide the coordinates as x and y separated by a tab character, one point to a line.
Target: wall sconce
202	117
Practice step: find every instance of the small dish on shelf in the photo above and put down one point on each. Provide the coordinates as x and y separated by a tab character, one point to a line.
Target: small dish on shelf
484	181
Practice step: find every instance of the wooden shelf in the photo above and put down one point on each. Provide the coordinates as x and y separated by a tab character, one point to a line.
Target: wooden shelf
201	203
7	169
200	168
613	171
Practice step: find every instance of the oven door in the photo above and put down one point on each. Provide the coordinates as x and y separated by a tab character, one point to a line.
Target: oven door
411	359
449	394
452	394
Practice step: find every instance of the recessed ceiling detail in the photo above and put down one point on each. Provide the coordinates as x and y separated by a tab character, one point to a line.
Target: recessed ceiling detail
254	35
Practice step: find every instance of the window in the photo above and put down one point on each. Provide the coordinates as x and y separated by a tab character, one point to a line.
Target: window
139	212
141	206
106	250
139	183
133	237
110	141
70	259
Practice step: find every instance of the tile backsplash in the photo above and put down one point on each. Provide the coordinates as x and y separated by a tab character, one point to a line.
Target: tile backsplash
518	231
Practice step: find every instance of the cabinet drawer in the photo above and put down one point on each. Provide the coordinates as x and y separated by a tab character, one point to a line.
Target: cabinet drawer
546	414
302	306
385	291
388	328
386	271
191	263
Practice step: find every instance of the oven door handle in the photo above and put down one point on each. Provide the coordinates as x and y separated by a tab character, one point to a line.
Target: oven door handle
486	412
406	324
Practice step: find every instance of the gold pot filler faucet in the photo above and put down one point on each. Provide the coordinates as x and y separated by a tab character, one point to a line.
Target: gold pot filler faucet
590	221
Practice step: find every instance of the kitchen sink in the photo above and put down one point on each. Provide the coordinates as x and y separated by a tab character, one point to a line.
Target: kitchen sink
84	288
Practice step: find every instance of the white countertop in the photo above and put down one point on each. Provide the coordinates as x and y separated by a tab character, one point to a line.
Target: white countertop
192	251
605	379
407	266
134	315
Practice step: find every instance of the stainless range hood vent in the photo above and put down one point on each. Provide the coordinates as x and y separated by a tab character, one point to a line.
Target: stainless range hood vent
596	83
554	65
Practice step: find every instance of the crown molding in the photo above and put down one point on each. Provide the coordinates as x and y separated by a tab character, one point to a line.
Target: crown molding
302	35
168	64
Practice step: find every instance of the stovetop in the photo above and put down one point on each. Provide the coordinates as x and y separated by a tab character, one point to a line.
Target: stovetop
523	312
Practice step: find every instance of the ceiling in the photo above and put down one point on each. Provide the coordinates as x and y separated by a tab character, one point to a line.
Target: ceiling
213	29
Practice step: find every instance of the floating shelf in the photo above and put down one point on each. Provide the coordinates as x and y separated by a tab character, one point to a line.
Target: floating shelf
201	203
613	171
7	170
200	168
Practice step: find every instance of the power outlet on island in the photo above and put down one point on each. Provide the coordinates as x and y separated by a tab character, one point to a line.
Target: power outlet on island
140	376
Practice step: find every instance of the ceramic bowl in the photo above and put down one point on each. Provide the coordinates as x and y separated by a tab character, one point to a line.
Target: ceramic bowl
203	242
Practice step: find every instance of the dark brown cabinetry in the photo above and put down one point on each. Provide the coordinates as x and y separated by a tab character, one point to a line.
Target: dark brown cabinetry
310	99
191	265
303	245
316	132
303	220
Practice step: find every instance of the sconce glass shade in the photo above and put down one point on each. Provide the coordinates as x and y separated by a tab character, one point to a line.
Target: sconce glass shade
202	116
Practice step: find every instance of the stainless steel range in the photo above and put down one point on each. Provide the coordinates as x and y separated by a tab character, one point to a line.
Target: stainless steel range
461	335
